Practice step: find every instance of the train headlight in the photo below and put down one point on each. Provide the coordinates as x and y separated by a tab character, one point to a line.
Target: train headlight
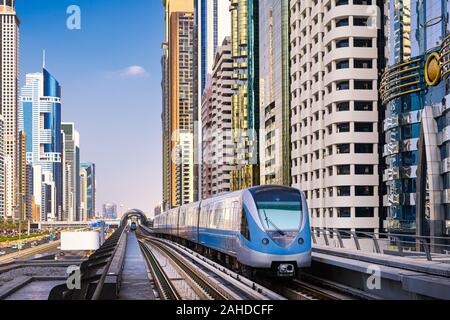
301	241
265	241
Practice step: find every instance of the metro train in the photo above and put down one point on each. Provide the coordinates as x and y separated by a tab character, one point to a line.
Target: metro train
263	228
133	226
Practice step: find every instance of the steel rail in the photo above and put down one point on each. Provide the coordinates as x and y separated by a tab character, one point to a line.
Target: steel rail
165	287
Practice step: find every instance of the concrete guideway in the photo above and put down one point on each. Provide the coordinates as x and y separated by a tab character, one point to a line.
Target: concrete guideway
399	277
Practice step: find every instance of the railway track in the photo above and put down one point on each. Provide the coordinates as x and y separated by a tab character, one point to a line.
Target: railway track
292	289
209	280
165	287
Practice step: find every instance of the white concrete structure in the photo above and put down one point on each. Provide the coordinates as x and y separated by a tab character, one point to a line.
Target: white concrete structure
9	73
218	152
334	112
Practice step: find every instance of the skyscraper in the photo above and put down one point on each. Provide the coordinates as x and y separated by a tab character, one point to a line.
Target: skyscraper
22	197
212	26
9	73
245	116
109	211
71	173
178	104
83	194
334	74
415	96
275	106
40	120
89	168
218	147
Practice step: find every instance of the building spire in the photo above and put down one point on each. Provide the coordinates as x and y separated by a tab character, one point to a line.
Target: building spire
43	59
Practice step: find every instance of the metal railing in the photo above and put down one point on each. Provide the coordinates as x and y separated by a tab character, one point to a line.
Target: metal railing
406	245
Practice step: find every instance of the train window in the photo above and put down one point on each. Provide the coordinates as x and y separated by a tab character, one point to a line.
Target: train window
245	230
280	209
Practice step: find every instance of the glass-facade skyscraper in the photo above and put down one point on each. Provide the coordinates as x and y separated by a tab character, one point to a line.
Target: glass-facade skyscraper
89	169
40	120
415	95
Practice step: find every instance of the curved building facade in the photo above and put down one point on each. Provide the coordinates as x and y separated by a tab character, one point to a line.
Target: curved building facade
415	95
334	101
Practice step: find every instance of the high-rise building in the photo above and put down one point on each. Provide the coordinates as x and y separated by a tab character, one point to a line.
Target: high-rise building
9	98
158	210
218	147
275	106
178	104
335	137
29	196
40	120
71	173
2	168
109	211
212	26
83	194
245	116
91	190
22	197
415	95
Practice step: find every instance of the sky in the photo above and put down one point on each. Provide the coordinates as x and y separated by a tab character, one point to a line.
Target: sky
110	74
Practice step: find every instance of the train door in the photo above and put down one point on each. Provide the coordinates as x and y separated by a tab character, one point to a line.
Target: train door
235	218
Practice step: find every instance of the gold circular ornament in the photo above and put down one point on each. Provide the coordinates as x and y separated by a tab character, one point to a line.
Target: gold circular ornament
433	70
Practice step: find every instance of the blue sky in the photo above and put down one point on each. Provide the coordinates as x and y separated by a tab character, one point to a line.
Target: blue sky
110	75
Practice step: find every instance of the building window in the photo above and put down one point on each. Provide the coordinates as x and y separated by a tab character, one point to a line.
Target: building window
342	23
364	191
363	85
363	148
343	85
364	212
363	169
343	106
363	127
362	43
344	212
343	64
343	127
343	191
362	64
344	43
343	170
363	105
343	148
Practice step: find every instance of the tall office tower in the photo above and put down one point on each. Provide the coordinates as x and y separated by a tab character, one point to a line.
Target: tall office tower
245	116
415	96
29	197
218	148
334	94
109	211
40	120
22	197
91	188
2	169
9	73
178	104
83	194
275	107
71	172
212	25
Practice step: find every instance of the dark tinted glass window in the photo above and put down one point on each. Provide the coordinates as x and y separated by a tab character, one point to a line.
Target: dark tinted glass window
343	170
363	148
344	191
344	64
342	43
363	127
363	169
363	106
343	127
344	212
363	84
364	212
363	64
362	43
364	191
343	106
343	148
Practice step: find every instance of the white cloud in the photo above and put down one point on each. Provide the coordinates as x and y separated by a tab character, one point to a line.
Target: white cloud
134	71
129	72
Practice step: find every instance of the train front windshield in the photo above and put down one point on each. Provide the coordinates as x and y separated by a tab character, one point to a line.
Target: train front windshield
280	212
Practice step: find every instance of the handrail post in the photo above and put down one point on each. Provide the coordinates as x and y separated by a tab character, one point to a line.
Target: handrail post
355	238
325	236
313	235
341	243
427	249
376	244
